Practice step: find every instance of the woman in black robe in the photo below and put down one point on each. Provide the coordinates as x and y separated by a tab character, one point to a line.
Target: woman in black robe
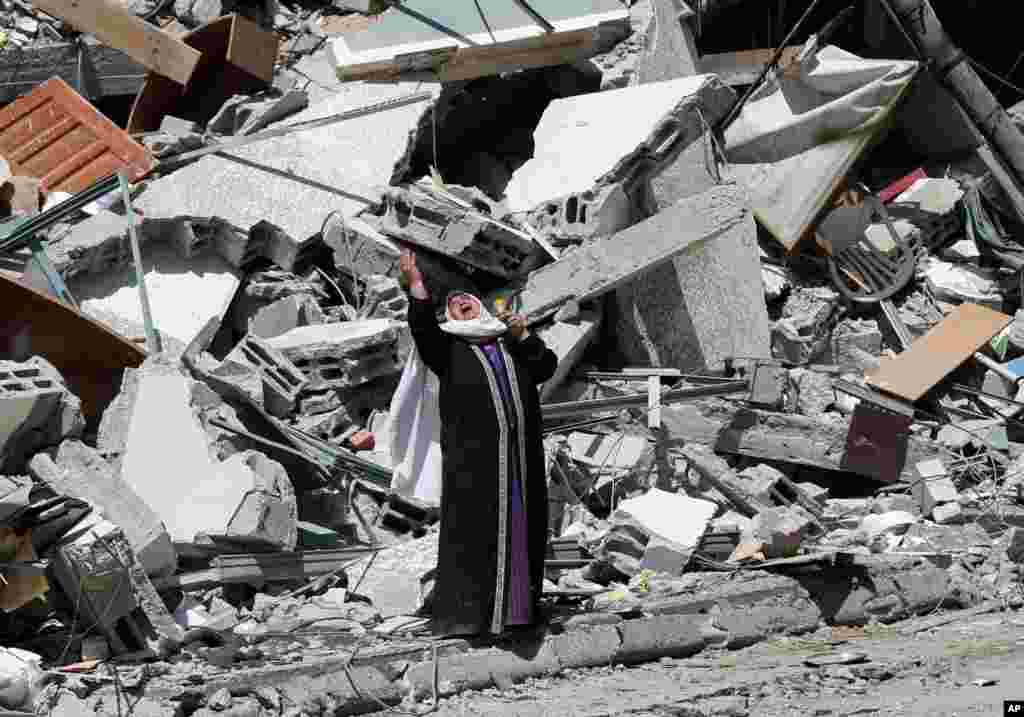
494	524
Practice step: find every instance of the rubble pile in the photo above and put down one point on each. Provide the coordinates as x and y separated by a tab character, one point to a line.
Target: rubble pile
788	345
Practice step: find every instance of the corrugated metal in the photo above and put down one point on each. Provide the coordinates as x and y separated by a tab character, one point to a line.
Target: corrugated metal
57	136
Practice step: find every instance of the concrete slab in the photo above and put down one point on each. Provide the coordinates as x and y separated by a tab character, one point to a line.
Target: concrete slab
293	182
604	265
607	133
178	477
705	306
184	294
676	518
569	341
81	472
670	50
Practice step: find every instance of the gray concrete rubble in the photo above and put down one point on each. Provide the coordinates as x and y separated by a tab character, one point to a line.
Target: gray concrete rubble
38	411
722	469
81	472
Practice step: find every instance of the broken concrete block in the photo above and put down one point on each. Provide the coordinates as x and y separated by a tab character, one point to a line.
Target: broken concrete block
14	494
929	493
235	245
383	299
295	181
345	355
284	315
900	502
177	478
1015	545
36	411
670	50
329	426
100	574
946	513
81	472
245	114
569	340
95	245
626	135
815	394
798	340
817	493
579	217
674	522
781	531
716	474
855	345
438	225
283	381
707	304
760	480
263	508
243	375
176	125
959	284
894	522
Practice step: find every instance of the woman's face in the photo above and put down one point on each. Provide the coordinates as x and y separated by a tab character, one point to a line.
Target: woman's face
464	307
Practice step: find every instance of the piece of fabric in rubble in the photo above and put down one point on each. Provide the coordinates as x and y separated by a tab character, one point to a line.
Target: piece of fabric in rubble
414	426
493	462
801	133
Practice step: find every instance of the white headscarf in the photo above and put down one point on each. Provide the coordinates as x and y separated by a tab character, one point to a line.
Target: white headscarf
414	425
482	328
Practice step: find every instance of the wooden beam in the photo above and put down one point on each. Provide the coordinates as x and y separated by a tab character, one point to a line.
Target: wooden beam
115	26
742	68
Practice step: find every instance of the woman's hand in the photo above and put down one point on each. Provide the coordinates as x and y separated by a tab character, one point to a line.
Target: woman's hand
516	324
411	275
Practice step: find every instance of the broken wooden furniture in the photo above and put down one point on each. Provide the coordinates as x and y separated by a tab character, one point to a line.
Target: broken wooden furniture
55	135
237	58
90	357
115	25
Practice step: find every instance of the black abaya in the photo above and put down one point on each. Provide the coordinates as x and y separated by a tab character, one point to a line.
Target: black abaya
485	444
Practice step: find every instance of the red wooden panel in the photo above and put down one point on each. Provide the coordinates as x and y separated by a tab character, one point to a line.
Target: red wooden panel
55	135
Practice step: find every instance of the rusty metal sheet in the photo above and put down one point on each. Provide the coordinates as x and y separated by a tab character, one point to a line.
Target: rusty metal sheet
55	135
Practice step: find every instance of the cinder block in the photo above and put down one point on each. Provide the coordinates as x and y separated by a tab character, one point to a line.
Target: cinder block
583	215
344	355
36	410
282	380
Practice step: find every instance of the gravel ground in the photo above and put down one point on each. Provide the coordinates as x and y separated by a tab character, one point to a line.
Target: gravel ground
933	672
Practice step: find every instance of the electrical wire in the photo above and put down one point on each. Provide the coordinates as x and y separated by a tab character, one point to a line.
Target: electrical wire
483	17
994	76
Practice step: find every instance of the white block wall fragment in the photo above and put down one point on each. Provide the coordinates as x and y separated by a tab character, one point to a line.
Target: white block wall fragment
167	458
609	133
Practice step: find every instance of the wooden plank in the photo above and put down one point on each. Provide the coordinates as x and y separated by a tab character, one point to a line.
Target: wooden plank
55	135
115	26
452	63
89	356
742	68
105	72
253	49
214	81
936	354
